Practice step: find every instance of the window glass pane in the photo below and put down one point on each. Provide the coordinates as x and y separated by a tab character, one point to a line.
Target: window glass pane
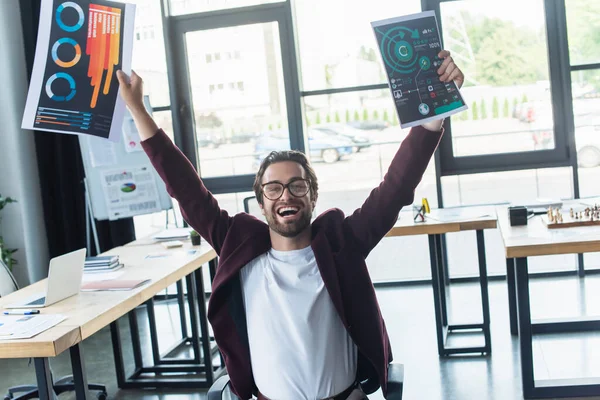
352	139
238	102
586	109
583	29
337	46
179	7
164	120
497	188
504	57
149	60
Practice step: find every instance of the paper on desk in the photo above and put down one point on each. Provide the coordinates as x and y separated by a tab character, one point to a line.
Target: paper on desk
104	276
26	326
172	234
456	214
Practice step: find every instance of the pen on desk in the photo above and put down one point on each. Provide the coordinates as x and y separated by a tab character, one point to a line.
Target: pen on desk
21	312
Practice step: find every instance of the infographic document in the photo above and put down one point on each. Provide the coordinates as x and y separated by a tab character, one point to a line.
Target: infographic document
409	46
80	46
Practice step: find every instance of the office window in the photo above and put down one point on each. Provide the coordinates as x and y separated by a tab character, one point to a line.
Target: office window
179	7
504	57
352	138
164	120
583	25
208	58
149	59
240	86
336	44
586	110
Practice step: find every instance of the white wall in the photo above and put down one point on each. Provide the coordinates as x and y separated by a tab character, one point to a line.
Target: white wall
22	223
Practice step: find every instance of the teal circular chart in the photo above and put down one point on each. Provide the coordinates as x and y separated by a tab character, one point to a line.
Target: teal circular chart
404	51
397	51
70	81
424	63
423	109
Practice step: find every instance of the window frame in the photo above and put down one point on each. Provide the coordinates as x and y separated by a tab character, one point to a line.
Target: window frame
175	28
562	154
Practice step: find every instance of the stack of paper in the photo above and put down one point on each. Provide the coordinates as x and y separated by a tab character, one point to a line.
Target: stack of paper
102	264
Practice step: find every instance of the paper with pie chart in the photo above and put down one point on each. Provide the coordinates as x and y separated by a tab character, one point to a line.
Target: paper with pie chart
130	191
80	46
409	46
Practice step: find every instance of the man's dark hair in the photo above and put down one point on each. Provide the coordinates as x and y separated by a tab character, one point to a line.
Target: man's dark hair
287	155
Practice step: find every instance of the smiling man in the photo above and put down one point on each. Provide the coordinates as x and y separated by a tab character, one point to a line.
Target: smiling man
293	308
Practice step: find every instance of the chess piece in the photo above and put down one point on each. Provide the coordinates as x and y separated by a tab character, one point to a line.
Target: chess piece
571	213
560	218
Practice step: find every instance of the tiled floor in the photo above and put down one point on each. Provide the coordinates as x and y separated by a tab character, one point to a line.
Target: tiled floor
410	320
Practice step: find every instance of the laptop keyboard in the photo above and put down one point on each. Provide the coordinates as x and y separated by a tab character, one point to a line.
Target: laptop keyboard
37	302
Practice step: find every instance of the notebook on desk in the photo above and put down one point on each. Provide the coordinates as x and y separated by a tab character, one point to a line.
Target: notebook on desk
113	284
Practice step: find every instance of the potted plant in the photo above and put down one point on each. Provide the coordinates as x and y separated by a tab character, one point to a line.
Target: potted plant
195	236
6	253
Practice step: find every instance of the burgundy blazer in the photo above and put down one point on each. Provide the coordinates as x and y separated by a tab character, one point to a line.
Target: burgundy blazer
340	244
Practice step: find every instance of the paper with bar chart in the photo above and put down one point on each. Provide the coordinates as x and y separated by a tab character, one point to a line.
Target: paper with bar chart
80	46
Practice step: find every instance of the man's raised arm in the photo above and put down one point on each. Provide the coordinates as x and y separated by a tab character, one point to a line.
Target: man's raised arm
378	214
198	206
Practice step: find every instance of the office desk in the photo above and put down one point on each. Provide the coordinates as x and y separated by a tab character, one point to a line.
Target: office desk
448	220
534	239
89	312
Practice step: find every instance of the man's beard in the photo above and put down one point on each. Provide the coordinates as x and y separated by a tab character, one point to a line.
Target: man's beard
291	229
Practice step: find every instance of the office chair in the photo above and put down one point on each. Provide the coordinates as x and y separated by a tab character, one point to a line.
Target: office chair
7	281
220	388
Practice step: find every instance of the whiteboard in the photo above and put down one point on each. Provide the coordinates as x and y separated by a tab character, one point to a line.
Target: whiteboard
121	181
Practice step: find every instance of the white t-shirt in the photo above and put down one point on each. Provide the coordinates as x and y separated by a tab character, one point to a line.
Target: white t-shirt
299	348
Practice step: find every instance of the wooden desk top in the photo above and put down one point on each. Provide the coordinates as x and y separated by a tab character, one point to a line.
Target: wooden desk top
535	239
446	220
89	312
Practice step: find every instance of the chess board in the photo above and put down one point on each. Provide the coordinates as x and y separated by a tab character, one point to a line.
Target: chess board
572	218
569	222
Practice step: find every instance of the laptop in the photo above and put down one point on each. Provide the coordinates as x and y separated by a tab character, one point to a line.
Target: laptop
64	280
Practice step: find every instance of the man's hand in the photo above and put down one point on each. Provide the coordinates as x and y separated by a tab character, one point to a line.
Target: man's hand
448	72
132	91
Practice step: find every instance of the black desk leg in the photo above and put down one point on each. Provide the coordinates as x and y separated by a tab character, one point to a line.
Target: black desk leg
433	261
206	346
118	353
44	379
443	277
79	375
483	281
512	296
525	332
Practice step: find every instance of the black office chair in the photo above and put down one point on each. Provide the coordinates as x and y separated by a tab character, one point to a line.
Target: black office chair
60	386
220	388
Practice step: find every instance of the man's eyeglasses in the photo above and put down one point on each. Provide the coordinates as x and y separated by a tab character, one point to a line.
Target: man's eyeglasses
297	188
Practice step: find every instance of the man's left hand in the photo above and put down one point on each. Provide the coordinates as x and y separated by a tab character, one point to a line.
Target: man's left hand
448	72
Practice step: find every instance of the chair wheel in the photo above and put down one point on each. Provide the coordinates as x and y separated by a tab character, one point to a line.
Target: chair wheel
102	396
7	397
